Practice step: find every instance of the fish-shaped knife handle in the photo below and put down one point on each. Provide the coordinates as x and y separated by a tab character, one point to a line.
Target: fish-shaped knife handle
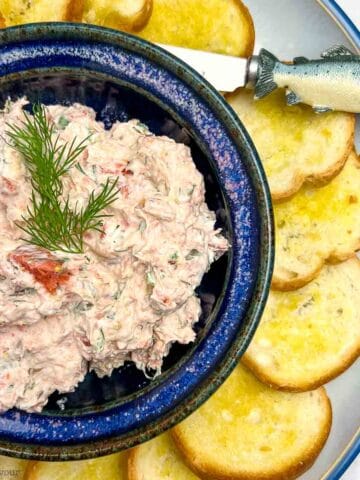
330	83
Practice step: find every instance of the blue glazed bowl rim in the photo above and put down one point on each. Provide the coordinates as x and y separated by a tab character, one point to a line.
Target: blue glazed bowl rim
241	139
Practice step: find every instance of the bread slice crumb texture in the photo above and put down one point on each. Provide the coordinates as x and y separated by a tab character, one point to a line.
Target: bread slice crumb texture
247	430
127	15
158	459
309	336
110	467
295	144
221	26
317	225
28	11
12	468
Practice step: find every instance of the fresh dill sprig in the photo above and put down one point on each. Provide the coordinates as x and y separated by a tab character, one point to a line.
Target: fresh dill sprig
51	222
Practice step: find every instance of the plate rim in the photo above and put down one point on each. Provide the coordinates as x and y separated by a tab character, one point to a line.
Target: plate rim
345	459
333	9
352	449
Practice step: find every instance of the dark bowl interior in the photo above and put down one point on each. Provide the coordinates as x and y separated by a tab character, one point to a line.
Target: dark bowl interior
112	102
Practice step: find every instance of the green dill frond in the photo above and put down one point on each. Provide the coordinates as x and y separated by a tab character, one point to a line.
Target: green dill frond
51	223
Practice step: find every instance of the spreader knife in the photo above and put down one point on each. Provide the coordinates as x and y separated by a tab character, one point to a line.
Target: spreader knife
329	83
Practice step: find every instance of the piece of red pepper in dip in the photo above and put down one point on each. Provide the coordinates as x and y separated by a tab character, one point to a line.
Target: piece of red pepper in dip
43	265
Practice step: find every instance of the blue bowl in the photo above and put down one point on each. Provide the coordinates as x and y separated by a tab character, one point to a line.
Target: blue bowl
123	77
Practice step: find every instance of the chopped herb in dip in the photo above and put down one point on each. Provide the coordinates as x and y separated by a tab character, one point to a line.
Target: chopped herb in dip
96	263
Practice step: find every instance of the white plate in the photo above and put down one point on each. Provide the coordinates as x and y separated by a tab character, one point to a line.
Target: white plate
291	28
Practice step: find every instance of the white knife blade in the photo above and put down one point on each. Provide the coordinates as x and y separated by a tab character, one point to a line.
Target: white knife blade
224	72
331	82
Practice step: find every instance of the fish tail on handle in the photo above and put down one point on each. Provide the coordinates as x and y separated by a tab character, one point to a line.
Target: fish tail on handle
265	78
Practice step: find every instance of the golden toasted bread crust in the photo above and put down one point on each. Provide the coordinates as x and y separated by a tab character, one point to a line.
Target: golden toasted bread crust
132	459
209	471
250	40
297	327
158	459
323	142
141	21
317	226
75	10
135	23
2	21
321	178
30	471
213	467
273	382
113	16
222	26
324	177
288	284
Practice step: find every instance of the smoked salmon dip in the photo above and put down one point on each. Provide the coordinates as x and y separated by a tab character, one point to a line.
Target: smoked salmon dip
131	294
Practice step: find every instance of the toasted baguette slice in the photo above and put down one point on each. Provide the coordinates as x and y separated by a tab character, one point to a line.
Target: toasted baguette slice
222	26
295	144
309	336
249	431
110	467
158	459
127	15
75	10
23	11
317	225
12	468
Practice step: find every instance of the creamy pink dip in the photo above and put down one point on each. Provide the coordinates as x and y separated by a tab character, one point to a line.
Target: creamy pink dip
131	294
